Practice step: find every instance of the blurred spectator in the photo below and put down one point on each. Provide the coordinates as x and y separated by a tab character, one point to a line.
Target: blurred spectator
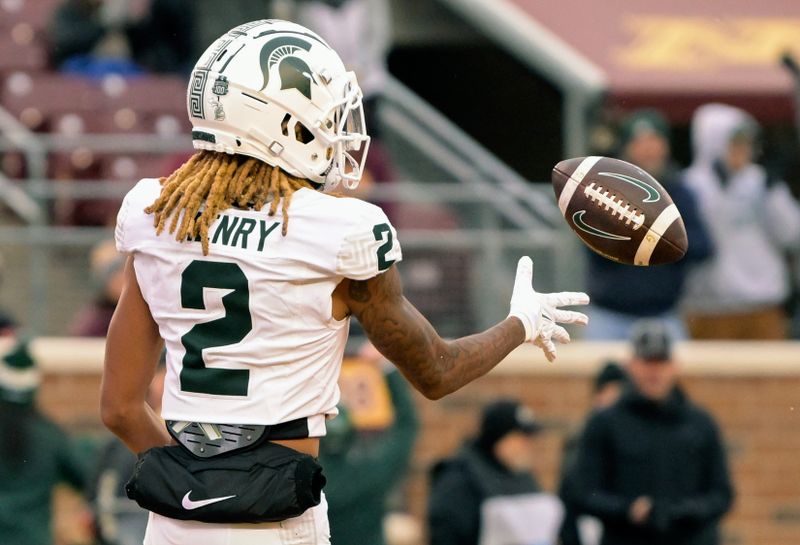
8	326
361	32
579	529
652	466
213	18
35	455
487	493
753	219
106	265
121	521
622	294
402	529
95	37
359	465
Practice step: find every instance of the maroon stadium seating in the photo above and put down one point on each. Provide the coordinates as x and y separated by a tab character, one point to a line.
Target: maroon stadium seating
19	55
28	95
132	168
150	94
36	13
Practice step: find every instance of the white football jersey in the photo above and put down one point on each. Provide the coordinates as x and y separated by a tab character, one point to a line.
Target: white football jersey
248	329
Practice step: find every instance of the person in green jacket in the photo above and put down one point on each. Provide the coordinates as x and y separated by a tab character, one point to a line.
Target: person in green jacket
35	455
363	470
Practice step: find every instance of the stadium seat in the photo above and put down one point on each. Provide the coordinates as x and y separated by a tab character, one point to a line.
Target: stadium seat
36	13
36	98
132	167
19	54
78	164
122	121
146	94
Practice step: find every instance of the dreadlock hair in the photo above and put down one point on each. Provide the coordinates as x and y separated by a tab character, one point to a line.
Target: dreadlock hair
215	182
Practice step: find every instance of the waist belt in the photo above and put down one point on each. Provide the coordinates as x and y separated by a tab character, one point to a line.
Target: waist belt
205	439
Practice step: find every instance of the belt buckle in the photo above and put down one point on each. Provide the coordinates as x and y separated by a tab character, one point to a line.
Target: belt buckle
205	439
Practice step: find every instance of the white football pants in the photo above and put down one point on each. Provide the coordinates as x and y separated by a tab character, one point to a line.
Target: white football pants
310	528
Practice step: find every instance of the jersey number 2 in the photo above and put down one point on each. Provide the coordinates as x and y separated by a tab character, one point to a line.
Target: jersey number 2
230	329
378	232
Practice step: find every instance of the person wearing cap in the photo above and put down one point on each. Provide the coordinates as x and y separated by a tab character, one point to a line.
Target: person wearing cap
107	275
486	493
622	294
652	467
35	455
578	529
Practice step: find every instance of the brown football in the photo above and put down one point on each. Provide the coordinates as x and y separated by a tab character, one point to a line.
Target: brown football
619	211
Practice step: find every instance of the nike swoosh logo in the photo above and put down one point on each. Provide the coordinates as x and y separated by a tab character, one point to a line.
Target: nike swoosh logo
577	219
190	505
652	193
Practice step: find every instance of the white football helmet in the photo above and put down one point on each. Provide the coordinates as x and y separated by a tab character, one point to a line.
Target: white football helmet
276	91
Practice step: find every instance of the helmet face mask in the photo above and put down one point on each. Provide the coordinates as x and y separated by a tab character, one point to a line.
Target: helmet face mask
350	143
276	91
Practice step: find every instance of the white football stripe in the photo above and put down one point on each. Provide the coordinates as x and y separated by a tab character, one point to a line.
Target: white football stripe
574	181
666	218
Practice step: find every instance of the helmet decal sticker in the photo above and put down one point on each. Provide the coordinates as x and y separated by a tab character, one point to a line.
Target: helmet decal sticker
220	86
219	111
293	71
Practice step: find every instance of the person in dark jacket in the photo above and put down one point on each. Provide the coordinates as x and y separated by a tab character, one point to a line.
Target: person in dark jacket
608	386
361	467
486	493
652	467
119	520
35	455
146	32
622	294
8	326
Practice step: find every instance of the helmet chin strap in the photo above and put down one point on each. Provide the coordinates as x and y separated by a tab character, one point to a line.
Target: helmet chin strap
333	178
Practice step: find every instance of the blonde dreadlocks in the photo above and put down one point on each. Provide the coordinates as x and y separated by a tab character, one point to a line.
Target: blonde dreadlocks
215	182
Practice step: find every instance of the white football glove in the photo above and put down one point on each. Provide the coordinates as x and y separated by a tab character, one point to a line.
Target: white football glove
540	312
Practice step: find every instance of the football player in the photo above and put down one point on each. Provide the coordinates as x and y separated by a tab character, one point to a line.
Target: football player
245	266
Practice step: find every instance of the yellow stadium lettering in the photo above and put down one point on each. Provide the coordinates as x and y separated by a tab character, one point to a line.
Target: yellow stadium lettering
693	44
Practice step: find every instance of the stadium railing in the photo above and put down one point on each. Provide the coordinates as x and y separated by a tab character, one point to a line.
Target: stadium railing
459	270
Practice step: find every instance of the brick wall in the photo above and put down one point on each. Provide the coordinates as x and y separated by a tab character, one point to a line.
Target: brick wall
758	408
760	419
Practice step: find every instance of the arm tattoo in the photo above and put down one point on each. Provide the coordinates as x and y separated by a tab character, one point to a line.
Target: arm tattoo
435	366
359	292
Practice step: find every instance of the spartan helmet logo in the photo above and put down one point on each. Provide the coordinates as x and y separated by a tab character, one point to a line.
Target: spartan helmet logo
293	71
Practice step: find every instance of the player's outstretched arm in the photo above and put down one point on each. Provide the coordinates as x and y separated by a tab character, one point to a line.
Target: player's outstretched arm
437	367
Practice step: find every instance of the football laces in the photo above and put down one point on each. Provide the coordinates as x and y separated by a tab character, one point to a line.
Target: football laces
619	208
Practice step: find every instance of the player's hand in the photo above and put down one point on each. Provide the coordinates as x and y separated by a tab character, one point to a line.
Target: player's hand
540	313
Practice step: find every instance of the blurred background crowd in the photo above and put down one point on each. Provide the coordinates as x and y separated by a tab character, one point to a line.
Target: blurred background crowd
469	103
